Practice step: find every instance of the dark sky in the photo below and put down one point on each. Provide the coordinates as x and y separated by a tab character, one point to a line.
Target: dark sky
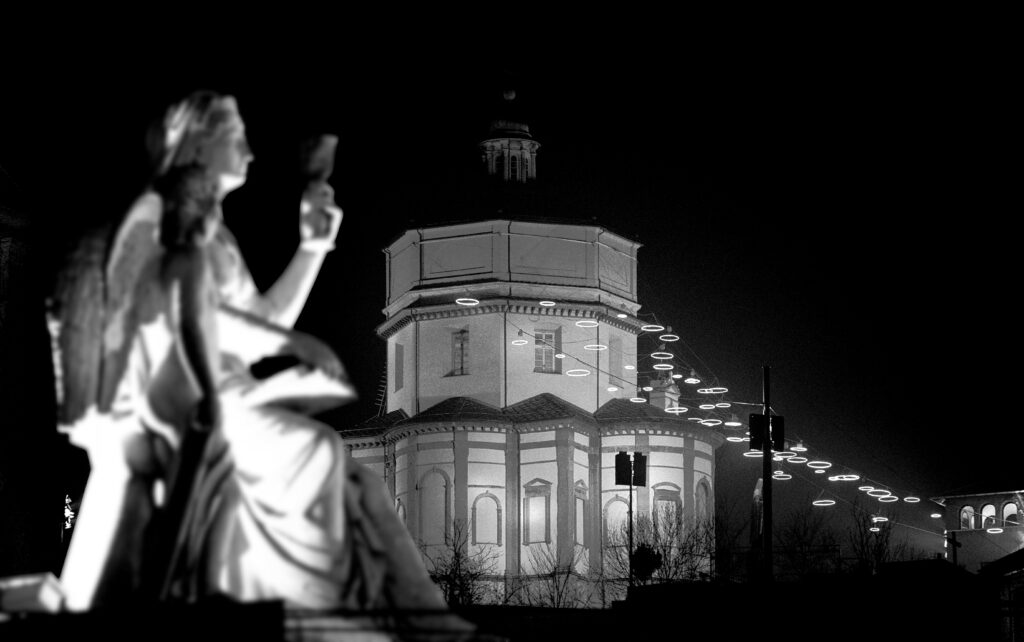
839	211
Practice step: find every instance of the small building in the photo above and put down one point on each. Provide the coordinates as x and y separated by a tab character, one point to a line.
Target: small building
985	526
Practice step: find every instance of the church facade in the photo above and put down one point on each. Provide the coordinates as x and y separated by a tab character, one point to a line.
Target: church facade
514	377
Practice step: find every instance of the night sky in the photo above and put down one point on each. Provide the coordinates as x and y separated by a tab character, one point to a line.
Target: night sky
839	211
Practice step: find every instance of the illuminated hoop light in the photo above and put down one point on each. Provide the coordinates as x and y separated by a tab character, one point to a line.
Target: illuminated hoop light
587	323
577	372
707	406
994	530
824	502
799	448
733	424
621	315
879	492
735	440
677	376
878	519
819	471
875	529
798	460
663	366
785	454
691	380
548	304
723	404
819	465
782	477
595	346
842	478
777	458
662	355
668	338
676	410
753	453
637	399
746	439
866	488
647	389
910	499
612	389
630	367
936	515
560	355
711	422
713	391
520	342
652	327
778	472
888	499
468	301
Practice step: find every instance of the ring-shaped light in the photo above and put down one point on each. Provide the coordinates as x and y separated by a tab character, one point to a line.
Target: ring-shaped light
595	346
799	448
746	439
910	499
577	372
798	460
662	355
822	465
735	440
612	389
647	389
936	515
677	376
520	342
878	519
707	406
723	404
677	410
888	499
663	366
621	315
668	338
819	471
718	390
777	458
691	380
711	422
995	530
547	304
874	529
587	323
842	478
467	301
733	424
652	327
865	488
560	355
782	477
878	492
824	502
785	454
629	367
753	453
637	399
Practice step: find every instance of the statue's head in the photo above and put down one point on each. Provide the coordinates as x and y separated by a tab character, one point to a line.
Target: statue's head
204	130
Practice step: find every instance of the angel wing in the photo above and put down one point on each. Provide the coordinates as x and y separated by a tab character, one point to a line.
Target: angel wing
98	304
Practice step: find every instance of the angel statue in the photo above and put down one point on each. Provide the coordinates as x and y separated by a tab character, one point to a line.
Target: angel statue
207	480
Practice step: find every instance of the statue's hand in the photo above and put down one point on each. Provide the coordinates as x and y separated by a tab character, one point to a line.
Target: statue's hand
316	354
319	218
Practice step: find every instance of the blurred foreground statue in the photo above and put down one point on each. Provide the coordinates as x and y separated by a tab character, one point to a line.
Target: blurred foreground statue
207	479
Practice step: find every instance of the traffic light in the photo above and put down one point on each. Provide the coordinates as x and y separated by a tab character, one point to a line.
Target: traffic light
778	430
622	469
639	469
764	427
758	429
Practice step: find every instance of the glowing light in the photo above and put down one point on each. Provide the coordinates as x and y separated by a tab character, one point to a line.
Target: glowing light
630	367
798	460
842	478
889	498
668	338
823	465
819	472
595	346
782	476
621	315
753	453
520	342
691	380
662	355
707	406
866	488
735	440
677	376
577	372
777	458
910	499
697	419
723	404
799	448
878	492
547	304
879	518
612	389
587	323
995	530
936	515
778	472
732	423
663	366
785	454
712	422
874	529
652	327
713	391
647	389
677	410
637	399
746	439
467	301
824	502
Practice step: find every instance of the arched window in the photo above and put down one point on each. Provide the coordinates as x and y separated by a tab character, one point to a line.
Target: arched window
1010	514
514	168
988	516
499	165
668	512
486	517
616	511
967	517
400	509
581	512
435	493
702	501
537	512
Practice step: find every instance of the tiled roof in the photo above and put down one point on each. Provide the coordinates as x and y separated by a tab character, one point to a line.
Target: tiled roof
545	406
375	425
458	409
617	409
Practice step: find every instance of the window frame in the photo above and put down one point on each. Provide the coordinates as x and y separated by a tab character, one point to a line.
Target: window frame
459	353
473	519
541	346
532	490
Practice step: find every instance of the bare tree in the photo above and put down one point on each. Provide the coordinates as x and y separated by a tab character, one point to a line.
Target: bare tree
872	548
557	583
806	544
466	574
685	550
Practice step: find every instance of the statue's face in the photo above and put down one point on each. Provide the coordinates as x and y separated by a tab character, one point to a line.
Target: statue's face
227	155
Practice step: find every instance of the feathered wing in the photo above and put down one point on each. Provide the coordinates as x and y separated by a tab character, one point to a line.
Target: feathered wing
130	268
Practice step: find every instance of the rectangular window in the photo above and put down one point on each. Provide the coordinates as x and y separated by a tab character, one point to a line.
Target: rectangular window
547	343
460	352
580	522
536	512
399	366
